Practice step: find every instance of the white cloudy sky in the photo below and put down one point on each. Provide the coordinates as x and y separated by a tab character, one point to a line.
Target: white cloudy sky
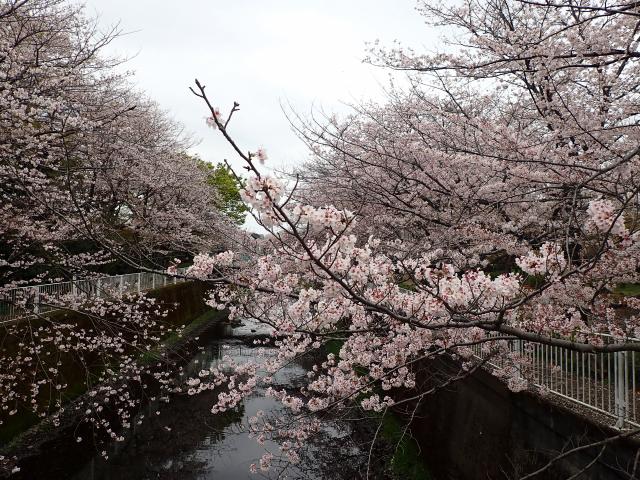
261	53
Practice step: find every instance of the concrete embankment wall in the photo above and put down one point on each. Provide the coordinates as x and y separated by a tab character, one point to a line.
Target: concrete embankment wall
478	429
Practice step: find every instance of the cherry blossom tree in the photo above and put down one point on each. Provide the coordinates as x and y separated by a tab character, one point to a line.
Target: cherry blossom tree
500	189
494	199
93	176
85	156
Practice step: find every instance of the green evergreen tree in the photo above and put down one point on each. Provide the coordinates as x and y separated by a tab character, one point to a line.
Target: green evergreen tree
228	187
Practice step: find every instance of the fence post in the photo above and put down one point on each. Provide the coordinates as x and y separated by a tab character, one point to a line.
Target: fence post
620	388
99	288
519	352
121	285
36	299
74	288
153	281
139	281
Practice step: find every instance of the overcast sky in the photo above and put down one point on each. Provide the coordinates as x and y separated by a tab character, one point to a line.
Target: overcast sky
261	53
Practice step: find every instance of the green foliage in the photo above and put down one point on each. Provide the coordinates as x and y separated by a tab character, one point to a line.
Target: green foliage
334	346
222	179
408	285
406	463
628	289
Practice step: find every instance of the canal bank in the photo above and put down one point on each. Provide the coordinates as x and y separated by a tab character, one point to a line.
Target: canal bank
478	425
44	443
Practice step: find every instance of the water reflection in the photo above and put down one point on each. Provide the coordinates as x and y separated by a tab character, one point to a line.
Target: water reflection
186	441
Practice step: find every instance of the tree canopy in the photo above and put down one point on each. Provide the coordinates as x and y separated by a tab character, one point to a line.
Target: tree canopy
228	187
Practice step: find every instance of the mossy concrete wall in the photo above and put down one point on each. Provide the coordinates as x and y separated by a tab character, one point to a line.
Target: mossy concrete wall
478	429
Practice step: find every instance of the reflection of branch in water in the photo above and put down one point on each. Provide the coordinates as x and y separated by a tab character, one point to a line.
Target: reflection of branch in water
171	445
340	449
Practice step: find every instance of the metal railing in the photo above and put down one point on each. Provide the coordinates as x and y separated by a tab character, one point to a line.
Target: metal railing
20	302
604	382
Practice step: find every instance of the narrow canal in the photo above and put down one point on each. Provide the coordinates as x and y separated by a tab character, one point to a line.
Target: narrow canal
182	439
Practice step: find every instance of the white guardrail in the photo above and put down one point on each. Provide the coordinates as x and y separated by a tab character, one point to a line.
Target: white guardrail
19	302
604	382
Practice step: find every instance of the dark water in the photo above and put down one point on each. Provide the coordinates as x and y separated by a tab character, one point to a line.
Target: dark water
186	441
